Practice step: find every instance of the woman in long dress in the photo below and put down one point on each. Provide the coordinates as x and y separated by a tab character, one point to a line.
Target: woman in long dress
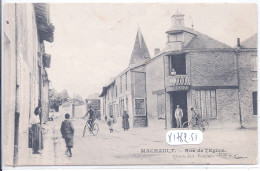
125	121
37	137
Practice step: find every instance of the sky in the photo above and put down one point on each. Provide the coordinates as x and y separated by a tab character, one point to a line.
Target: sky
93	42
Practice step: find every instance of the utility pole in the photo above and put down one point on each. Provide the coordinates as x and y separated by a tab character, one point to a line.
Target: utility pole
17	99
73	105
238	81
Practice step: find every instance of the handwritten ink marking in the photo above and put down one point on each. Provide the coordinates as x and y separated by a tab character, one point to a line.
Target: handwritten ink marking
181	137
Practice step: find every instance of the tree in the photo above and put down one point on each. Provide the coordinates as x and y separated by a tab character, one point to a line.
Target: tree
63	96
57	99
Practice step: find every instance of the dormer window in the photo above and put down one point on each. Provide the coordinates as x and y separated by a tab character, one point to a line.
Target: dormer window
176	37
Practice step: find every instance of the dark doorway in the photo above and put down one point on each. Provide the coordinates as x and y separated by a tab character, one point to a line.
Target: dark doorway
179	98
254	102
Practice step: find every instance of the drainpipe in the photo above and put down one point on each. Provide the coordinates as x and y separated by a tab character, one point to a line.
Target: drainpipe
17	111
238	81
40	88
164	92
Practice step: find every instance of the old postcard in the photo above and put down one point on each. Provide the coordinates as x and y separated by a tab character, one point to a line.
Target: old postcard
95	84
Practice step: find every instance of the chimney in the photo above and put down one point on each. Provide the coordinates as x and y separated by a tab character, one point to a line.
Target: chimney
156	51
238	42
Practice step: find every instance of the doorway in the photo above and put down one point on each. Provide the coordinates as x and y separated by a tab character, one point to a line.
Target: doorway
179	98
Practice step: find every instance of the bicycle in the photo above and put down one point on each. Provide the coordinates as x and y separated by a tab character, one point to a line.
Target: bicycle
94	130
202	124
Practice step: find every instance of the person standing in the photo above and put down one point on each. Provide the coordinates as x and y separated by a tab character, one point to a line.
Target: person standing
178	116
36	132
125	121
67	131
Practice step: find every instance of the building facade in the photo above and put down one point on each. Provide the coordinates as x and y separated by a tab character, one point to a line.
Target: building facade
126	92
196	71
26	26
247	72
192	71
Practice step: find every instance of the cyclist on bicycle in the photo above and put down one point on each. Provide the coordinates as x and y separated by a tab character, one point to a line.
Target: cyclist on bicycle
91	118
195	115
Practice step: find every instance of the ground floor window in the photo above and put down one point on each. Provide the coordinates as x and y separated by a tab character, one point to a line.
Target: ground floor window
127	104
161	106
121	106
116	113
254	95
111	110
205	103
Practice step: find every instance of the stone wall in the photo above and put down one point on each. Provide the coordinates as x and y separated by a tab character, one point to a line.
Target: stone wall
248	85
154	84
9	82
212	68
23	73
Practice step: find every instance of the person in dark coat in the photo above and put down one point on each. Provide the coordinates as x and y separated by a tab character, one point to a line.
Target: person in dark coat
67	131
125	121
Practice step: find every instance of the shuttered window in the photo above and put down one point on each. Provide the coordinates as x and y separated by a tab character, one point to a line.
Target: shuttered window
205	103
161	106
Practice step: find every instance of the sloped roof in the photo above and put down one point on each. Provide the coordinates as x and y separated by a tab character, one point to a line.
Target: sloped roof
202	41
251	42
140	50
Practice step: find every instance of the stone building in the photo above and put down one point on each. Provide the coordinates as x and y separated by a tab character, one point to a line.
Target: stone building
126	92
247	72
194	70
25	28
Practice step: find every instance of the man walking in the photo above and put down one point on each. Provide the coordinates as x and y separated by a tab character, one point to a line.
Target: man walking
178	116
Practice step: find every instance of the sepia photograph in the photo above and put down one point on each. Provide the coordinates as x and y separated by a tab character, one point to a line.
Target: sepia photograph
129	84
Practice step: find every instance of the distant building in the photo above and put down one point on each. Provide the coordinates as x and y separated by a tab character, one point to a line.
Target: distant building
76	109
126	92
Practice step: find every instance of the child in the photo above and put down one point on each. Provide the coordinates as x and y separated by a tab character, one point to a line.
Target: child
67	131
110	123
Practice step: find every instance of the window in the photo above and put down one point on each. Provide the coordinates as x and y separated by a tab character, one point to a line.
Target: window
116	90
253	63
121	84
111	110
254	95
175	38
127	104
178	63
160	106
112	92
126	81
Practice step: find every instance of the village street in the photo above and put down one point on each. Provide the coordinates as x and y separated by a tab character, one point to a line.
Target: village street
126	146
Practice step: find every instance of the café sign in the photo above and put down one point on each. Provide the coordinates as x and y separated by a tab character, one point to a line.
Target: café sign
177	88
